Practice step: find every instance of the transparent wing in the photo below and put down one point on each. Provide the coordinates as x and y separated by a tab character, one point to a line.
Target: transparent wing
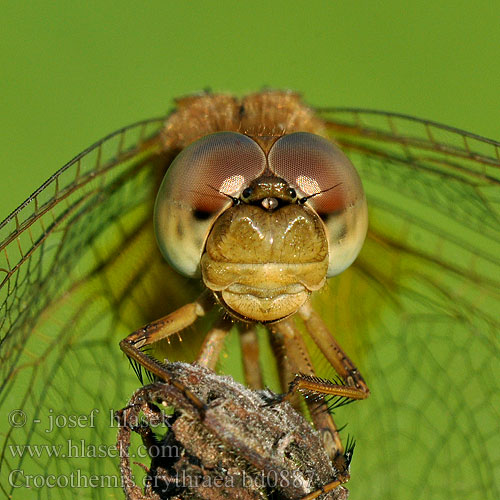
79	270
419	310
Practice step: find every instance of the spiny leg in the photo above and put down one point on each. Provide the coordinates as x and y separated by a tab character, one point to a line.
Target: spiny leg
300	363
341	466
250	355
214	343
161	329
333	352
325	489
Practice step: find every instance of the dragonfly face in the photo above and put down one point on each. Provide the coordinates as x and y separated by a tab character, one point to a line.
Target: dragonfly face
251	209
417	309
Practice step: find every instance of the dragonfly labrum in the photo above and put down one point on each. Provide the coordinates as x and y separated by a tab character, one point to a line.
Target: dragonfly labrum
415	311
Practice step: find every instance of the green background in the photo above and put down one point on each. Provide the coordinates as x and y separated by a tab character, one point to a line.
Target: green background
73	71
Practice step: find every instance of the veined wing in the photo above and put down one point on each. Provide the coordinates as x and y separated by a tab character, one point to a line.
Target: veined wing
95	243
419	308
79	270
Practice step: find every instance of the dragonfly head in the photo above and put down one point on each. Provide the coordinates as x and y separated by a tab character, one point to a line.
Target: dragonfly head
265	225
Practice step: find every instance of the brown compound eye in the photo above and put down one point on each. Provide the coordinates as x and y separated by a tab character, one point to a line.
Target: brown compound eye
199	185
325	178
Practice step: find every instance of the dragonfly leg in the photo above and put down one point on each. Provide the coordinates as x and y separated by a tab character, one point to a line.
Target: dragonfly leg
356	387
250	354
284	369
325	489
300	363
161	329
213	343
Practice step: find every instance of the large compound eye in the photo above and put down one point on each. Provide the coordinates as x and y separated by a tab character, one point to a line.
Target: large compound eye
197	187
322	174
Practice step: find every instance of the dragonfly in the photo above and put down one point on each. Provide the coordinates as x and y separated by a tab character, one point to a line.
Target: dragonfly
417	310
265	209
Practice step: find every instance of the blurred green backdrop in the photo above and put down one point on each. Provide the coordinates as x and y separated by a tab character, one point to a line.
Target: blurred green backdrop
74	71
